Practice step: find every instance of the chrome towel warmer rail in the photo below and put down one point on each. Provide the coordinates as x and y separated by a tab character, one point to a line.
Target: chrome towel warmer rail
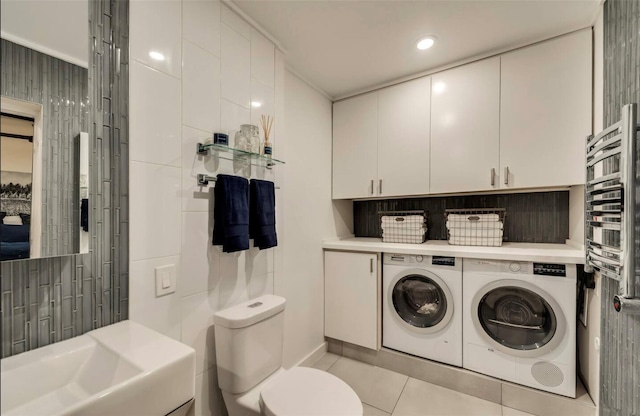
610	201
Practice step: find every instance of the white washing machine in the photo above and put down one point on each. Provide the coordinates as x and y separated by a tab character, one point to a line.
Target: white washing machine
520	322
422	305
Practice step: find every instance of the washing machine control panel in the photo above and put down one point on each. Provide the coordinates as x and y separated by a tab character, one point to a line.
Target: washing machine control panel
548	269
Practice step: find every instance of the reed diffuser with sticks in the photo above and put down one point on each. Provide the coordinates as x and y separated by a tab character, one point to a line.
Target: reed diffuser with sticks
267	124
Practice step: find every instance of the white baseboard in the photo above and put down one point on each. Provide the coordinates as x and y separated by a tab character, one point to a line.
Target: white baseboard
313	356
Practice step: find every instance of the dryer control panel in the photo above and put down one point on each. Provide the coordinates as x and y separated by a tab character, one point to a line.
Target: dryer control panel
549	269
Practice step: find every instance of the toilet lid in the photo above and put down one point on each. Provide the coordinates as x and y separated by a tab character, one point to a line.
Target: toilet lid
309	392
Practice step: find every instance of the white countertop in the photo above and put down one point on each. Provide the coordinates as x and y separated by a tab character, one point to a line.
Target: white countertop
553	253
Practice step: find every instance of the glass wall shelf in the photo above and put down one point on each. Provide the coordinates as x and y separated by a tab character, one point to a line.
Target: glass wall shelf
231	153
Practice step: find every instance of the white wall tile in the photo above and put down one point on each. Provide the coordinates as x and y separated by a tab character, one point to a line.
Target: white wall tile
236	67
262	59
155	210
200	88
155	117
232	116
198	330
263	94
201	260
156	26
161	314
208	400
234	21
201	24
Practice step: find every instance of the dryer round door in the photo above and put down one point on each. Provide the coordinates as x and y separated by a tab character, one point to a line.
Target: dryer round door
421	300
518	318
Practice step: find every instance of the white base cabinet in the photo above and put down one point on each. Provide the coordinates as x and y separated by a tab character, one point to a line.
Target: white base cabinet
352	298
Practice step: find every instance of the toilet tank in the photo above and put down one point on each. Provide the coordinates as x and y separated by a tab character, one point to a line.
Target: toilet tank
249	342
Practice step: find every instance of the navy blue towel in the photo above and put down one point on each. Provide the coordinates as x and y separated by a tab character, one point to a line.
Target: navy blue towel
84	214
263	214
231	213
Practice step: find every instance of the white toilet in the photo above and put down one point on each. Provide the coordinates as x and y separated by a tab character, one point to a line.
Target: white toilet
249	357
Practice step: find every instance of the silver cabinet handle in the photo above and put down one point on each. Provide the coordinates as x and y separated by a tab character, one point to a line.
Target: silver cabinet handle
493	176
506	175
371	186
370	265
380	187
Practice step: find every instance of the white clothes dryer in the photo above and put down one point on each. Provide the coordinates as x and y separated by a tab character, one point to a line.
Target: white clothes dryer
422	305
520	322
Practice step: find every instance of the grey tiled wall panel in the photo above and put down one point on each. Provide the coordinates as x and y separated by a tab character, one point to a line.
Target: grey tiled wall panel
62	90
51	299
620	337
541	217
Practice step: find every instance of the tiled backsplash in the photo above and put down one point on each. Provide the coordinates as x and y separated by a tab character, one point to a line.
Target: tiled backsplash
52	299
62	89
620	358
537	217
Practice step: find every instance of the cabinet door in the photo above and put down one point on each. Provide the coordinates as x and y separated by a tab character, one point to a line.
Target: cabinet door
355	146
465	128
403	139
545	113
351	311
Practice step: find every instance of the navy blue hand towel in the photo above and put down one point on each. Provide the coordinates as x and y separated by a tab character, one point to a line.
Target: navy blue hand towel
263	214
84	214
231	213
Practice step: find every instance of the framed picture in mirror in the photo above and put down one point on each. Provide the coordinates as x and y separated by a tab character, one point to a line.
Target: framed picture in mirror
44	144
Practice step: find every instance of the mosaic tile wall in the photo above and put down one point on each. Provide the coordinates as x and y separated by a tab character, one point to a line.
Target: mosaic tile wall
541	217
620	337
62	89
53	299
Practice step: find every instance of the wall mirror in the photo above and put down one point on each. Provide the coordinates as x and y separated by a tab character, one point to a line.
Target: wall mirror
45	154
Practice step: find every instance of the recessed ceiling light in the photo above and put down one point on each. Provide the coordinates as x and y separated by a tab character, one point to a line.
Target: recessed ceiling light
426	42
256	104
156	55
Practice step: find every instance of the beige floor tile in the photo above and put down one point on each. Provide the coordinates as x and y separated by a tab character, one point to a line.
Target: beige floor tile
325	362
547	404
375	386
372	411
420	398
507	411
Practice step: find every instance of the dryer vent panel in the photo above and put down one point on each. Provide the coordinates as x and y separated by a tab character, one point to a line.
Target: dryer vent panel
547	374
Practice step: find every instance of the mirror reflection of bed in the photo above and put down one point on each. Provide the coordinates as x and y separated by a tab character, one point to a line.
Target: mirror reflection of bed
32	195
16	180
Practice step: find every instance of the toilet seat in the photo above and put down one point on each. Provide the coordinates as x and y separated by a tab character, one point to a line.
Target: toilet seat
309	392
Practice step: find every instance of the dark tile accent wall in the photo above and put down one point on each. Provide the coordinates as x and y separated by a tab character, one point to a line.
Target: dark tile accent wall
540	217
62	90
53	299
620	334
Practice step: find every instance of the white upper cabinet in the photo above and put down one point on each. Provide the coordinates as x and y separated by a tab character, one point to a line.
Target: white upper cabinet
465	128
403	139
355	146
545	113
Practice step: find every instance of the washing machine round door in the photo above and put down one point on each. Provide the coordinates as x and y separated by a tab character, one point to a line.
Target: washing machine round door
422	301
518	318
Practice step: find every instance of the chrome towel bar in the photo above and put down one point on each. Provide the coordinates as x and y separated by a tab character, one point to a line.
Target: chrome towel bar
203	180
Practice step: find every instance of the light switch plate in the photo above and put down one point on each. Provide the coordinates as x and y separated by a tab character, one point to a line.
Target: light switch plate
165	280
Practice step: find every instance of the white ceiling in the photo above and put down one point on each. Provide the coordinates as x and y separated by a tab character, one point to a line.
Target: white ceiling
346	46
59	28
